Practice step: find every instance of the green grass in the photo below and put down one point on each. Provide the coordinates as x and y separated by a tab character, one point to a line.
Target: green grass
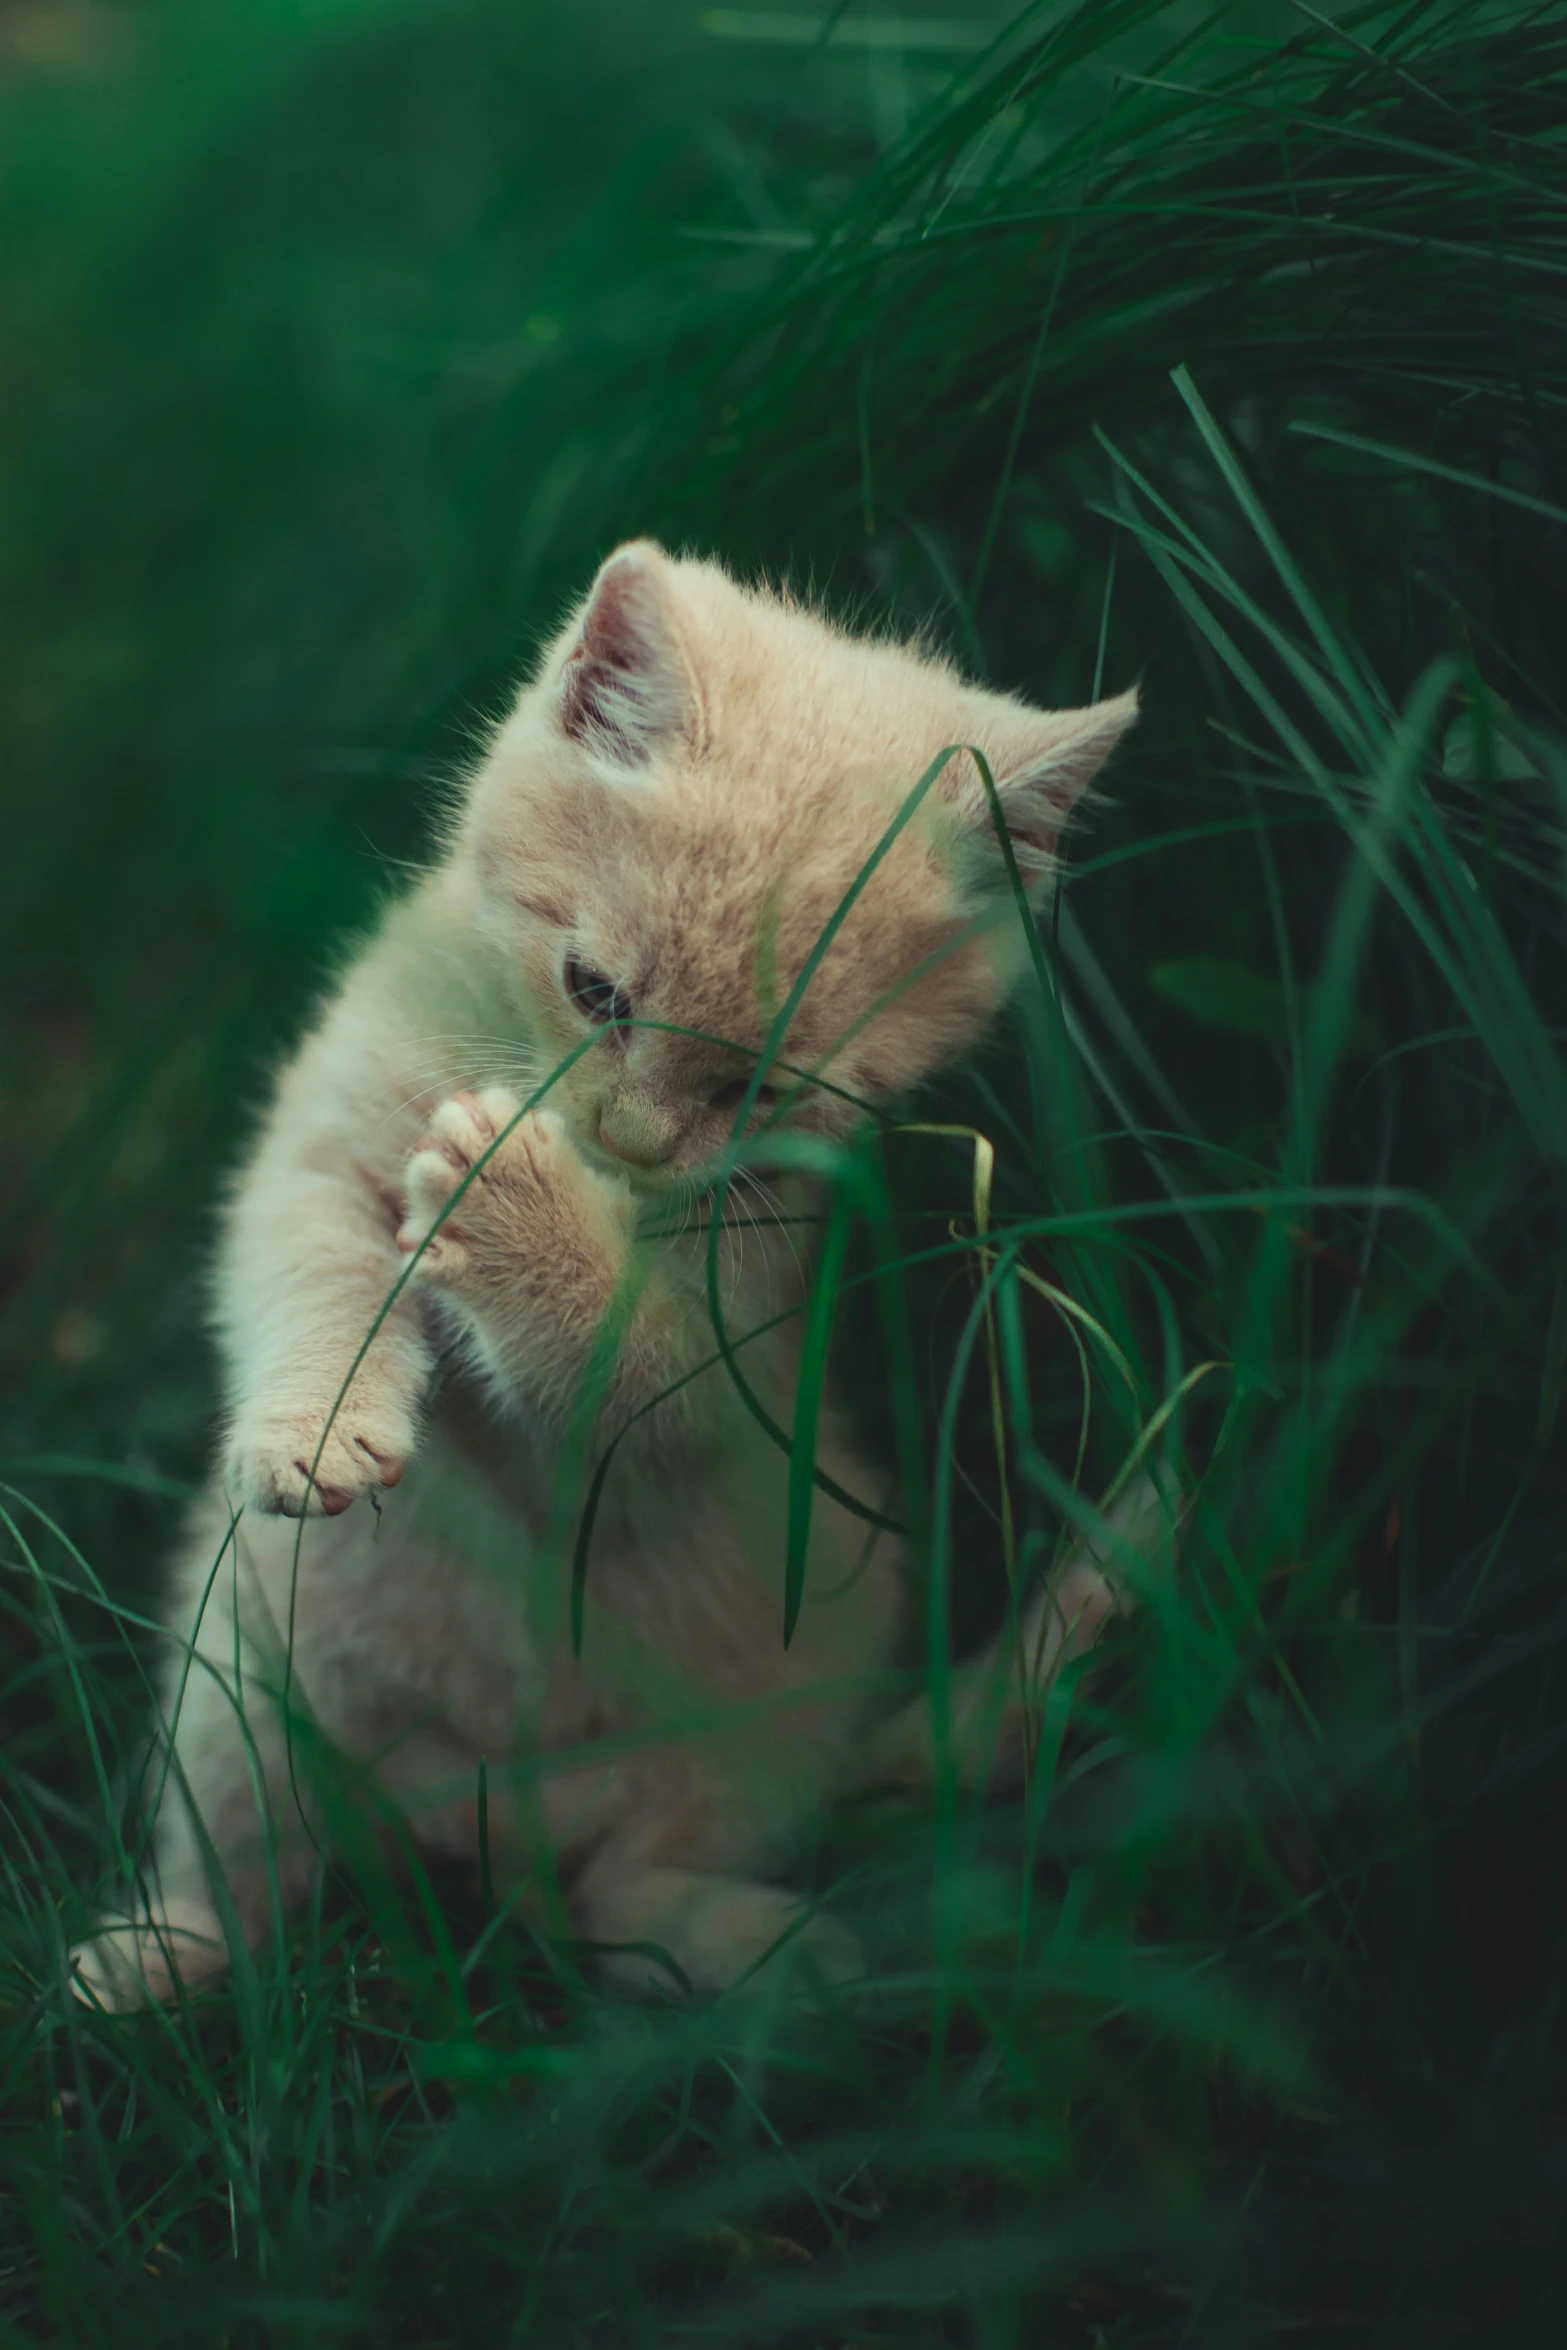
1221	347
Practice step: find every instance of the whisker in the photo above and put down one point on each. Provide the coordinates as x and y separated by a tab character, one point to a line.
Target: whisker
747	1215
782	1223
765	1249
466	1071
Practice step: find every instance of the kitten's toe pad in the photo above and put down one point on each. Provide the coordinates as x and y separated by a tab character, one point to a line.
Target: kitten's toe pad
273	1464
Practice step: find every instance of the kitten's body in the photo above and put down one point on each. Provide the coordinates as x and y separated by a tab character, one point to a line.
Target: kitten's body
660	833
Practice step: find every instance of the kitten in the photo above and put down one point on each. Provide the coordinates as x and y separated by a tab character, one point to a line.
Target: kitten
657	838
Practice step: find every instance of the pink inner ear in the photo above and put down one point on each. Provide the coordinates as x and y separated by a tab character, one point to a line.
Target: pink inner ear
1035	818
622	685
1043	762
615	626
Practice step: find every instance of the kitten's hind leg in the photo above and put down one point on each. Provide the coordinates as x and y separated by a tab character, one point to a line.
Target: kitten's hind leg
169	1939
716	1928
994	1701
230	1767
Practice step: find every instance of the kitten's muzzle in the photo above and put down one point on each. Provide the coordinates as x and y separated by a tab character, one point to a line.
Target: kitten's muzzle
637	1136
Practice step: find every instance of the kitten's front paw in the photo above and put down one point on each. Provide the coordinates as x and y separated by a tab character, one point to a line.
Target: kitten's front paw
530	1204
271	1464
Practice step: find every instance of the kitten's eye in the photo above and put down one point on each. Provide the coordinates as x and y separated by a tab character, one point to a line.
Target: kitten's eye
596	997
730	1096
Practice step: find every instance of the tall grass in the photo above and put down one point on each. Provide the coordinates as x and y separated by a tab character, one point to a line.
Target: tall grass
1220	346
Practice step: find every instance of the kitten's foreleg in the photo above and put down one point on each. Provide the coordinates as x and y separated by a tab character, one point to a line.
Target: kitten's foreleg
309	1263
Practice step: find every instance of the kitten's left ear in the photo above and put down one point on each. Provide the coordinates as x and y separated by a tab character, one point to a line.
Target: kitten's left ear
1042	761
627	689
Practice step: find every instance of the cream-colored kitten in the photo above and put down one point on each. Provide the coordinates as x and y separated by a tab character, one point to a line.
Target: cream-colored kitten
659	835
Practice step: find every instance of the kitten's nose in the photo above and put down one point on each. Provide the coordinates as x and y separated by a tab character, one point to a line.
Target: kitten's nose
637	1133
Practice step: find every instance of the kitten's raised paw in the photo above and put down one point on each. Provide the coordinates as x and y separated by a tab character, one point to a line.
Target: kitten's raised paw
455	1142
525	1188
272	1462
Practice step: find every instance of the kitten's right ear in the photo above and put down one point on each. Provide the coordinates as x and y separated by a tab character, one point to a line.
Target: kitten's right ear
627	690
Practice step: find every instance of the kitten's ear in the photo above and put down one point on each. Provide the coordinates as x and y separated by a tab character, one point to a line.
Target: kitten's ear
627	690
1042	761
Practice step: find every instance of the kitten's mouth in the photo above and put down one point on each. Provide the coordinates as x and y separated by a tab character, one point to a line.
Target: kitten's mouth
666	1179
646	1182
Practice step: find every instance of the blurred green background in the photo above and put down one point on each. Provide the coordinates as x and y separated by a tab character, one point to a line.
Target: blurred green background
1217	346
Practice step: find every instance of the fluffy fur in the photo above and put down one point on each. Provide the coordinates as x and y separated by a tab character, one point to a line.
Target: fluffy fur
652	846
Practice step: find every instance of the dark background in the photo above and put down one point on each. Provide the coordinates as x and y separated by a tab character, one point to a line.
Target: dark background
338	343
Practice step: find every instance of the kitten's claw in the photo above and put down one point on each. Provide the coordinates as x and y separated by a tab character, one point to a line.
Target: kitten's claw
390	1467
272	1463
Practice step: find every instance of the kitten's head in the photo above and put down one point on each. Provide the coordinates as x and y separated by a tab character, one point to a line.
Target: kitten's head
674	813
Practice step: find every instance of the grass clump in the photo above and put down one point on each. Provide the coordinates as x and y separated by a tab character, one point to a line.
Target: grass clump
1220	345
